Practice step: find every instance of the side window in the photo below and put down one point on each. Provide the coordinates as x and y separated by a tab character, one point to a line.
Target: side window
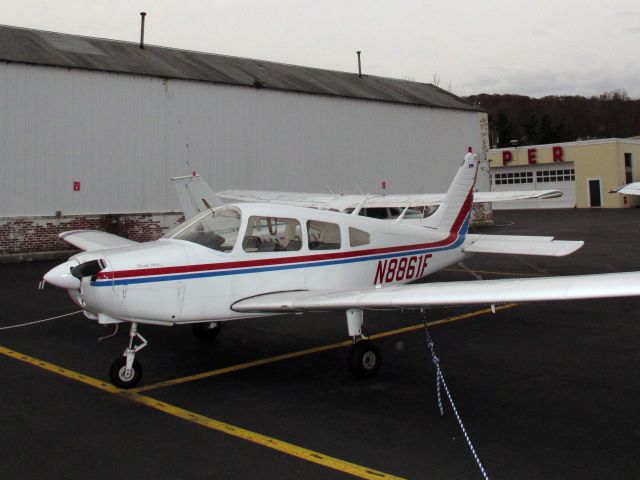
271	234
358	237
323	235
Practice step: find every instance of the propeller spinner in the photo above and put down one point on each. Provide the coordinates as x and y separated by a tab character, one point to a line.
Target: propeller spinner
69	275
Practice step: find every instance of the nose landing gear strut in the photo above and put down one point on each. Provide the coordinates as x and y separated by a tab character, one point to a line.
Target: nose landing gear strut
126	371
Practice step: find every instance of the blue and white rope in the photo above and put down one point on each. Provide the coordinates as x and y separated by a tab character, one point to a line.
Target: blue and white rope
441	382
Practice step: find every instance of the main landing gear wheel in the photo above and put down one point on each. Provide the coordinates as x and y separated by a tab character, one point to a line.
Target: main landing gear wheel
364	359
206	332
122	378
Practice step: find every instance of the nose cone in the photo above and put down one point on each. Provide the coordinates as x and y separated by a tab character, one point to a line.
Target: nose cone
60	276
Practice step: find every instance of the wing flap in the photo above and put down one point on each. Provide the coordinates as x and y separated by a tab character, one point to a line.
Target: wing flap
521	245
94	239
450	293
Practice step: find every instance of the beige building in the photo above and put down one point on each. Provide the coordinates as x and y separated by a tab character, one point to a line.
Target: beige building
585	172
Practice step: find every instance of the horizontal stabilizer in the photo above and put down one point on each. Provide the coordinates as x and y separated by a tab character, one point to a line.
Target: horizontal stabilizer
520	245
195	195
471	292
94	239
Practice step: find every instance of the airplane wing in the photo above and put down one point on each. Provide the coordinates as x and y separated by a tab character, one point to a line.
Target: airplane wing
339	202
629	189
323	201
94	239
520	245
449	293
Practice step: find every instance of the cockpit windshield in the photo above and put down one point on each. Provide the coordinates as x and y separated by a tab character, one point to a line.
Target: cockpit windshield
217	230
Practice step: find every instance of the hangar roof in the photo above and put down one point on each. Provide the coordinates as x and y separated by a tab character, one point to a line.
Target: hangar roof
36	47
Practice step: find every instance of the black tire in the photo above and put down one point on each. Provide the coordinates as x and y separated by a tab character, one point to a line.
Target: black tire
364	359
117	373
206	332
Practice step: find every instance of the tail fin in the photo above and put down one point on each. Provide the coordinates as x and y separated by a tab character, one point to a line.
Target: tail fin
454	212
195	195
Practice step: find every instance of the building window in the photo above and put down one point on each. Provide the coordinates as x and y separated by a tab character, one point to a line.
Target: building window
511	178
542	176
546	176
628	171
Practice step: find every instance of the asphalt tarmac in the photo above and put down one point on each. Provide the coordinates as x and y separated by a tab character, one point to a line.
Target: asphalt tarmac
545	391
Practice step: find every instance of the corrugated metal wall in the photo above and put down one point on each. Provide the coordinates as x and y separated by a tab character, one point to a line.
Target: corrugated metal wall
124	136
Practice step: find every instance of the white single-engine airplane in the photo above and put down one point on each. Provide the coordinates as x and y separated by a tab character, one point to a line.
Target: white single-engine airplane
196	196
256	259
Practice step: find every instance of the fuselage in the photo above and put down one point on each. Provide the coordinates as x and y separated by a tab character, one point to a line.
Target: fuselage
200	269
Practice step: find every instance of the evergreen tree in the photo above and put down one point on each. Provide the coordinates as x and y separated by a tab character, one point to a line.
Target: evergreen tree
530	131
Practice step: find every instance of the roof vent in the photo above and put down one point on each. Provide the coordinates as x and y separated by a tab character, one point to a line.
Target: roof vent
142	15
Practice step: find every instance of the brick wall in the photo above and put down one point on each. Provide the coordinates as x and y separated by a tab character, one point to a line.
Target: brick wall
29	235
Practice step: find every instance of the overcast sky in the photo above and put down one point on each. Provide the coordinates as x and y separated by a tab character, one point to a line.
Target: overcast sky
546	47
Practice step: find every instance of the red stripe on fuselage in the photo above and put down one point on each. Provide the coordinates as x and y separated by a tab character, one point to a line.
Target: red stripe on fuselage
271	261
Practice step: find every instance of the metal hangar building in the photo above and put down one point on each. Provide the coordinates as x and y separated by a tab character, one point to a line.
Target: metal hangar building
91	130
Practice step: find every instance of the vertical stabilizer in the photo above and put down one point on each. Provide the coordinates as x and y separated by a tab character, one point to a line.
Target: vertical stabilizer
195	195
454	212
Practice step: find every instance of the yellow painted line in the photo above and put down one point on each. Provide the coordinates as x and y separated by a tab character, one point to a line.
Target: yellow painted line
487	272
242	366
264	440
442	321
107	387
247	435
309	351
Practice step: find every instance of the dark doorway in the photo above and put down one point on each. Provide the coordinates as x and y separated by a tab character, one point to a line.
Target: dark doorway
595	199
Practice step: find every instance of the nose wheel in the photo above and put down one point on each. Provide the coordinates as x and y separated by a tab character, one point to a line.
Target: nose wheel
122	377
126	371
